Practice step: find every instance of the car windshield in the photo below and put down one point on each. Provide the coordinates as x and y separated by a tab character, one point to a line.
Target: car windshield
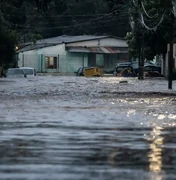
120	68
28	71
15	71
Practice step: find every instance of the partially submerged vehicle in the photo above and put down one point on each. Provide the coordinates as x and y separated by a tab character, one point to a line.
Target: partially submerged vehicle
80	71
124	70
29	71
89	72
16	73
93	72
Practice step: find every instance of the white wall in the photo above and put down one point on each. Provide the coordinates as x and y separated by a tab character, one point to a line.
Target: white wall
28	59
112	42
68	62
58	49
36	58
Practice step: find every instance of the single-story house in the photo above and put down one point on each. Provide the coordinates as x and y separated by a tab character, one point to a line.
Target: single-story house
65	54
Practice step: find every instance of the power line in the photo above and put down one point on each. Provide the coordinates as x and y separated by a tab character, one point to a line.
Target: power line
82	20
68	26
71	26
146	13
70	15
152	28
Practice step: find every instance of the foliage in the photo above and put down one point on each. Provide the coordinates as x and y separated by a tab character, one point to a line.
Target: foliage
7	51
35	19
132	44
149	25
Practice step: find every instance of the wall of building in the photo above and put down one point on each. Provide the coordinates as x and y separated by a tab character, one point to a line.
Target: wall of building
75	61
71	62
67	62
29	59
36	58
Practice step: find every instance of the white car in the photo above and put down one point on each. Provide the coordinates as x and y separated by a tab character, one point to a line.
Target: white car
29	71
15	73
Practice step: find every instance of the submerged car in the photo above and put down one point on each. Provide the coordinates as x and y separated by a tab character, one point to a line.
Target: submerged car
89	71
93	72
15	72
149	68
152	71
80	71
124	71
29	71
153	74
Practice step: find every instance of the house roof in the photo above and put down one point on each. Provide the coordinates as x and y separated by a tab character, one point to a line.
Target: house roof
60	40
105	50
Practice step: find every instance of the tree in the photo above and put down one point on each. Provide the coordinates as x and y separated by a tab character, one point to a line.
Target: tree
151	22
12	19
27	20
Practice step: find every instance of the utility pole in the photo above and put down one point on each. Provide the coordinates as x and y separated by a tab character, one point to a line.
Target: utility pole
170	60
141	58
141	50
139	61
170	65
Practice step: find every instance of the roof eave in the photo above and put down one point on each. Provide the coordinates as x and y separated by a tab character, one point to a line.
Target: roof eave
105	37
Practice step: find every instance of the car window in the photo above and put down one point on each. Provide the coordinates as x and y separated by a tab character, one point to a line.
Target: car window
15	71
120	68
79	70
148	68
28	71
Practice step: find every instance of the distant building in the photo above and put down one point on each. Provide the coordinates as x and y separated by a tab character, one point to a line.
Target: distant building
65	54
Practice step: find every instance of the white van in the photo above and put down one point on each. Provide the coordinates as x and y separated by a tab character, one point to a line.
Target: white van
15	73
29	71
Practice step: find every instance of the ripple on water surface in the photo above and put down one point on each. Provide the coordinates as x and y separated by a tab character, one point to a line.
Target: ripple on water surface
125	138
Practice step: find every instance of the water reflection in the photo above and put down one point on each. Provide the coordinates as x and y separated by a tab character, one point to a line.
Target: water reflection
20	151
155	153
75	142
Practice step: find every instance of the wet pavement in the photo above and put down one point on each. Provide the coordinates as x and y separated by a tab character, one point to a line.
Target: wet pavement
76	128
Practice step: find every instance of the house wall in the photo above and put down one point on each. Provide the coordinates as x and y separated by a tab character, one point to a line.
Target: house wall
75	61
109	60
29	59
100	42
67	62
55	51
70	62
36	58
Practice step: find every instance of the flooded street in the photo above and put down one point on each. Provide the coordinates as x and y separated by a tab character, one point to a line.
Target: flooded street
76	128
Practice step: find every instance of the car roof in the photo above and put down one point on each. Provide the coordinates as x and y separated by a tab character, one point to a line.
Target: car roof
124	66
13	68
26	68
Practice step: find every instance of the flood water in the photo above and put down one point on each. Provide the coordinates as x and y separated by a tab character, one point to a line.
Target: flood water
81	129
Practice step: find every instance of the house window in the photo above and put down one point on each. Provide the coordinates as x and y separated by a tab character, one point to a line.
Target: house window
50	62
